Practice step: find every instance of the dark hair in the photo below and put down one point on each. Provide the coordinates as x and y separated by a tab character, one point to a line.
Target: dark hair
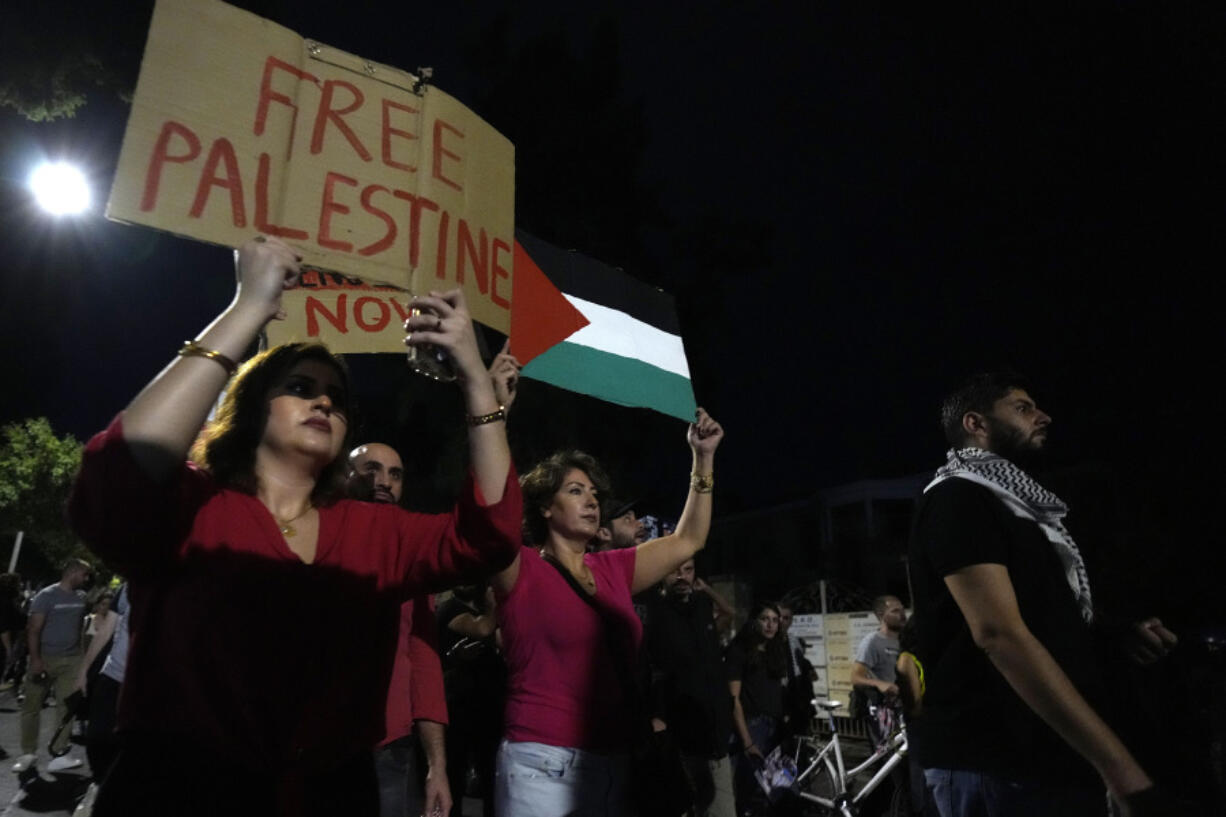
774	659
226	448
542	482
879	604
10	586
977	393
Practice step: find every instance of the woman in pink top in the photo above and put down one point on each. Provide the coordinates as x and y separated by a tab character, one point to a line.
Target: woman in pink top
568	714
230	706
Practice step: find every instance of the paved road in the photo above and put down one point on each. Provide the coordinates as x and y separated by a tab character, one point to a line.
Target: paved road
54	795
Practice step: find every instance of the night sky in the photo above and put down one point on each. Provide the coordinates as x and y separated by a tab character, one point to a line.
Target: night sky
853	210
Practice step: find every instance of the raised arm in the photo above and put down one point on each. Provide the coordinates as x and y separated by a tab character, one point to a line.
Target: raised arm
723	611
659	557
445	322
984	593
161	423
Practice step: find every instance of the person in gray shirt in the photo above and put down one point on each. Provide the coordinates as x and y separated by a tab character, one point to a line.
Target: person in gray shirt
878	652
54	641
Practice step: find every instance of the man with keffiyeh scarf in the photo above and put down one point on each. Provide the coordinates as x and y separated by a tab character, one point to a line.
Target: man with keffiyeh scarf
1004	618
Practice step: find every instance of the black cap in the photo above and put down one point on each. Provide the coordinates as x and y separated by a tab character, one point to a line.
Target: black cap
613	508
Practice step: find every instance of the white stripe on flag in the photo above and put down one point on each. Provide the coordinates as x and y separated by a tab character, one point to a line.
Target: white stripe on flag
620	334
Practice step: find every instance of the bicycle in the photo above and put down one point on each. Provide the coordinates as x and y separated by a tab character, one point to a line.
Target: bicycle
824	779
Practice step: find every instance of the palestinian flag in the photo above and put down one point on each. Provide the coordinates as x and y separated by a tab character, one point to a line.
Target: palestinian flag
584	326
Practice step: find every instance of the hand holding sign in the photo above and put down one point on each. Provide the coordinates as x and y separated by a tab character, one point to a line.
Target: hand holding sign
266	268
443	321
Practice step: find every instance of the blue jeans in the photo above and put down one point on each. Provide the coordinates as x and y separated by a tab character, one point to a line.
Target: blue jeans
539	780
960	793
400	789
764	732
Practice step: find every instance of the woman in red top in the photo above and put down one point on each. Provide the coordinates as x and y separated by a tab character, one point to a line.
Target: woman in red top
569	718
231	706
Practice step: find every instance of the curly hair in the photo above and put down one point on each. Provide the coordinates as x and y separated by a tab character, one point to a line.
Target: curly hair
774	659
227	446
542	482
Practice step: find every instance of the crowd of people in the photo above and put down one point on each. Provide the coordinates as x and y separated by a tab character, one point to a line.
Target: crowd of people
276	649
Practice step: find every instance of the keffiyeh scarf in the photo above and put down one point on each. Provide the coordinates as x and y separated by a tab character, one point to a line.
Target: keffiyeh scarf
1027	499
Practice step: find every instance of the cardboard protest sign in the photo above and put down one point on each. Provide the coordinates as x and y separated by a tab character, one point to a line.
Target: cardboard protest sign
240	126
348	314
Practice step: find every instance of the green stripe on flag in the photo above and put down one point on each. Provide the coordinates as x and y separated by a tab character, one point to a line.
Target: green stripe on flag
621	380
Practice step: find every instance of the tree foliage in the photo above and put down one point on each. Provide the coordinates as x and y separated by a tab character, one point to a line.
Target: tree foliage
54	53
36	473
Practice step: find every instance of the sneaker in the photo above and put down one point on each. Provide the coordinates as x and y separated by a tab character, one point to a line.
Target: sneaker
63	763
24	762
86	807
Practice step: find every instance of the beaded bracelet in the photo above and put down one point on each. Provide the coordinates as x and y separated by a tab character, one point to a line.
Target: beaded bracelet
192	349
492	417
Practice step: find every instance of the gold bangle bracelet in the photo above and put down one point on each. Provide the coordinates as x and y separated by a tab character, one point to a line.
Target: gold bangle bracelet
492	417
192	349
702	483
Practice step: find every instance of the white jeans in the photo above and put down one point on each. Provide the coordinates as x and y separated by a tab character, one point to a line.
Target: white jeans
539	780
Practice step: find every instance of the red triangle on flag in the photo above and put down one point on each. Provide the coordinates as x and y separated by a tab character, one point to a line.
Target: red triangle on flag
540	316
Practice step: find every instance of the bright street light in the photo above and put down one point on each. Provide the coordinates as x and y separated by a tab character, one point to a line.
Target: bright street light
60	188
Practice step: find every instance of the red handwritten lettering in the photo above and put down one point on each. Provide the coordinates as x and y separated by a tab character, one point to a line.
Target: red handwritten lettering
402	311
330	206
315	307
162	155
222	151
416	205
498	271
390	235
440	267
385	314
267	95
467	251
261	205
327	113
440	152
389	132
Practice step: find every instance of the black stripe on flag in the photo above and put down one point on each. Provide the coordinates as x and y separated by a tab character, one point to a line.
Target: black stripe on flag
576	274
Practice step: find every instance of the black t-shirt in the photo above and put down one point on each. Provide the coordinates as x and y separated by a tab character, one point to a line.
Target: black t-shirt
474	674
12	620
688	689
972	718
761	693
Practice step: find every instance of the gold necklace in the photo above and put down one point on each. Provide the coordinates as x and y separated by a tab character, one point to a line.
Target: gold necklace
287	527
